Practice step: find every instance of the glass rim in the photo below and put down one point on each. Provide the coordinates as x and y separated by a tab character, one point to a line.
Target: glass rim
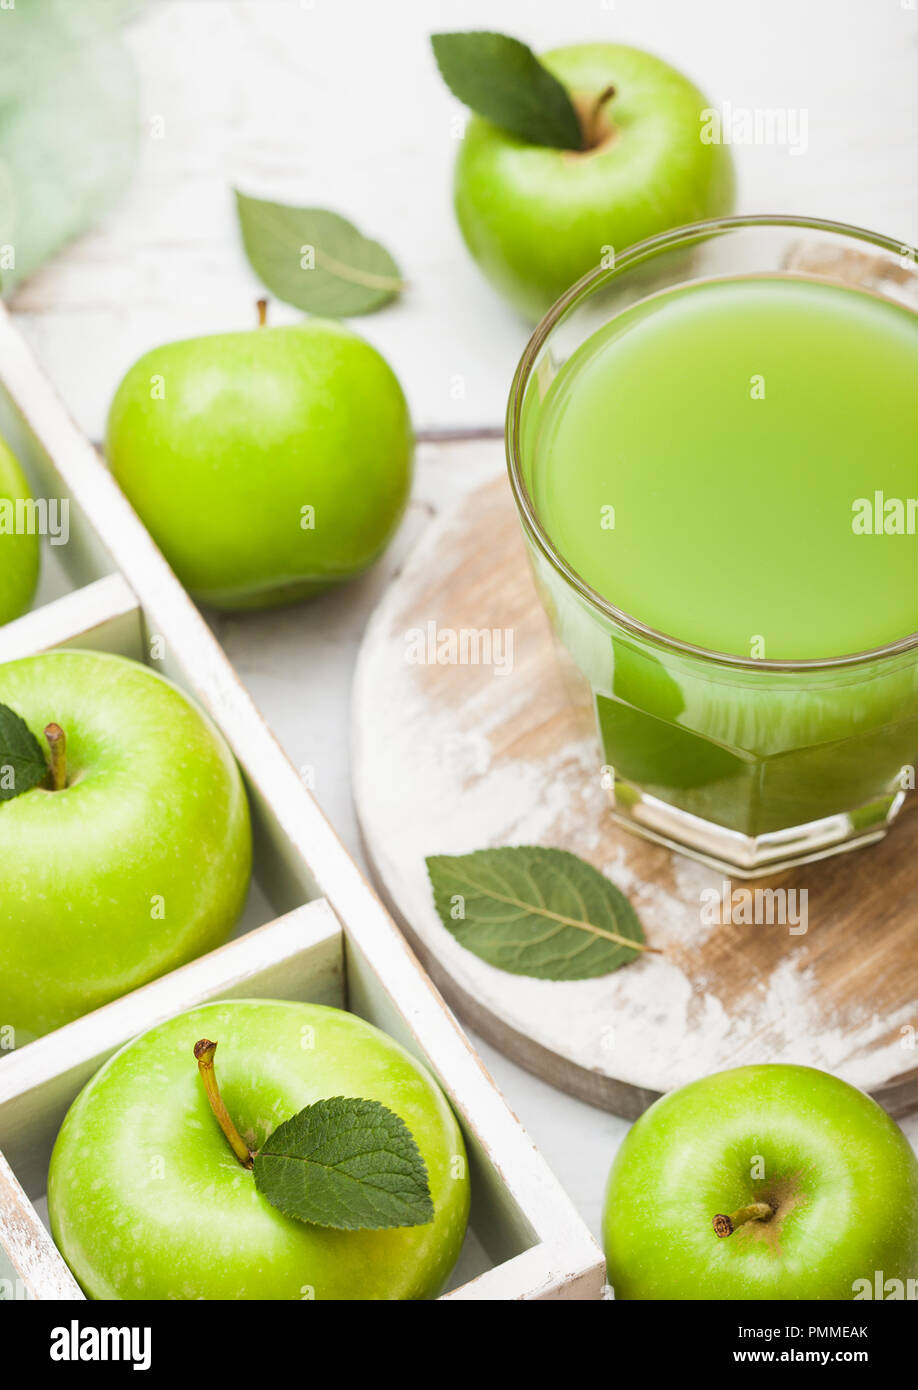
579	292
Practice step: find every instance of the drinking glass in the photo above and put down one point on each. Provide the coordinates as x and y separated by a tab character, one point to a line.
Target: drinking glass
749	765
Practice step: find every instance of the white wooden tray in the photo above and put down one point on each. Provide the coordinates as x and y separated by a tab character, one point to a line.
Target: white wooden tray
330	938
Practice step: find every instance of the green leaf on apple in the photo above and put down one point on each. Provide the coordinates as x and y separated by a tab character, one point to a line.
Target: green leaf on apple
535	911
22	763
502	79
315	259
346	1163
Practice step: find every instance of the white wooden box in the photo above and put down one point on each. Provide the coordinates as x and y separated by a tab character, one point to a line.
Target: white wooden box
312	928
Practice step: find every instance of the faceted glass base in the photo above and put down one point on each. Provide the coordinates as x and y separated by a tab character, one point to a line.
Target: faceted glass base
749	856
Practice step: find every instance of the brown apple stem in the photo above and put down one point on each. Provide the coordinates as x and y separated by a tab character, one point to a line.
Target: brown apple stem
756	1211
592	133
204	1055
262	306
57	746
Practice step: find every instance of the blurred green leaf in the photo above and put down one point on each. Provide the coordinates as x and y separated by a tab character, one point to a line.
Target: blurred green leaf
316	260
68	125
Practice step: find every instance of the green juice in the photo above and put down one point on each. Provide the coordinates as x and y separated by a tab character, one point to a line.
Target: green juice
731	426
734	463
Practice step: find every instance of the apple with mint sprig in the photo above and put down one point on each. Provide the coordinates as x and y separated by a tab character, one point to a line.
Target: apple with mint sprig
327	1163
765	1182
573	157
125	843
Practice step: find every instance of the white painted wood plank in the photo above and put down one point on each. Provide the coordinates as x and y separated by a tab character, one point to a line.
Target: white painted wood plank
104	615
28	1257
538	1270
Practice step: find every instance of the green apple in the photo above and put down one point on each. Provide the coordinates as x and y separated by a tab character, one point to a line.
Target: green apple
537	219
267	465
812	1185
19	552
138	863
148	1201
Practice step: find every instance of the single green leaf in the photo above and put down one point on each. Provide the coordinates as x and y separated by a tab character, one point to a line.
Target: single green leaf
22	763
351	1164
315	259
535	911
502	80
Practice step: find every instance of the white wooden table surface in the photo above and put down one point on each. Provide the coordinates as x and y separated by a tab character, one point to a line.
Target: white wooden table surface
338	103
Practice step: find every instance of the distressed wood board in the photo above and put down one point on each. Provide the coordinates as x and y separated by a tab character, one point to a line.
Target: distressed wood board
452	758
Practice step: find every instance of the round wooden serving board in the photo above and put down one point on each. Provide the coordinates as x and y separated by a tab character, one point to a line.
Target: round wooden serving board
453	758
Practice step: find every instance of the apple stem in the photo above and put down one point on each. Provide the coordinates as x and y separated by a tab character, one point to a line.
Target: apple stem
756	1211
204	1055
262	306
57	745
592	132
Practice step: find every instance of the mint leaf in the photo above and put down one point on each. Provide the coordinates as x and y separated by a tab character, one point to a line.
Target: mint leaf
315	259
502	80
535	911
22	762
350	1164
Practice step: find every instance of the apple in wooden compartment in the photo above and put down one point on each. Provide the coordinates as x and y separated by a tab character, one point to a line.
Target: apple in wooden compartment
125	841
325	1164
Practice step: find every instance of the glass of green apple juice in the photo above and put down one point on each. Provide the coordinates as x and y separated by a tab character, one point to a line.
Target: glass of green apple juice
713	448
